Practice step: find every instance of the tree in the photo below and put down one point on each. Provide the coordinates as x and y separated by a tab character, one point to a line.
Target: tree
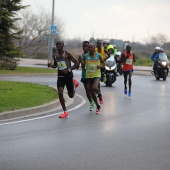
35	30
156	40
8	31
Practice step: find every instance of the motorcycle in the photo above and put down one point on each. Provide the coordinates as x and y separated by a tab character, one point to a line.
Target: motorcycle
161	67
110	71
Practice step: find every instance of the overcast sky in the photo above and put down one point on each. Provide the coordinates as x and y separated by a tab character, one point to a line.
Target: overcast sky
131	20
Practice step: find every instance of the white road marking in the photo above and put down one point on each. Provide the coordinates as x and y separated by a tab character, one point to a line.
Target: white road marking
42	117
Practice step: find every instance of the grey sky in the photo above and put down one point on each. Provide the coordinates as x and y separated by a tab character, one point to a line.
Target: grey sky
122	19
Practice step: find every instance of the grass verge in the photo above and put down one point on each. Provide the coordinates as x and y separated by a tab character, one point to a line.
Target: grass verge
28	70
18	95
141	61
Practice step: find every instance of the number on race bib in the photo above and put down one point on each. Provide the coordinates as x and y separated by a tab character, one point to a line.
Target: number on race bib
129	61
62	65
92	68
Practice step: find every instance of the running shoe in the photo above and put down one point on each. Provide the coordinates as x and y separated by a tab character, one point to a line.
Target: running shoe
101	99
64	115
129	93
92	101
98	110
125	91
91	106
76	82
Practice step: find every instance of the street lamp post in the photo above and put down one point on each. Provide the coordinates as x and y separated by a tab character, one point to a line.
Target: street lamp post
51	38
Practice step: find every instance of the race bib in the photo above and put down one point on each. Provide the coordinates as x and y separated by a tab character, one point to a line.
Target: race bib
62	65
129	61
92	68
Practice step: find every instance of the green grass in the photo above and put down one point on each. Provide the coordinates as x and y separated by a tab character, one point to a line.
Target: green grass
28	70
143	62
18	95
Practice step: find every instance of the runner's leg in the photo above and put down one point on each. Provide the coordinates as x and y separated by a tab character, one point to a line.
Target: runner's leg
97	90
61	97
92	93
87	91
130	80
125	82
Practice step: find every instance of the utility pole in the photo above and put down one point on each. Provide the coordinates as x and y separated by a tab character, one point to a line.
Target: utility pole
51	38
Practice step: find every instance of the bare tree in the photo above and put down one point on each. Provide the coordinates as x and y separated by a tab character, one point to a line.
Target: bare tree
156	40
35	27
162	39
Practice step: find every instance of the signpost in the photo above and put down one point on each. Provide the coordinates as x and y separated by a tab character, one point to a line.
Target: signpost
53	29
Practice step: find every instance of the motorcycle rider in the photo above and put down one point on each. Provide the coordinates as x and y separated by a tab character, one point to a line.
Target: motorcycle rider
128	58
161	50
105	44
155	56
115	49
110	50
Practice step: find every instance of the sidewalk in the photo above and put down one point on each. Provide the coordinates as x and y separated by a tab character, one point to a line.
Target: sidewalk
44	63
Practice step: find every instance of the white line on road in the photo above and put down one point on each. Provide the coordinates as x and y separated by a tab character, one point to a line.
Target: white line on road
42	117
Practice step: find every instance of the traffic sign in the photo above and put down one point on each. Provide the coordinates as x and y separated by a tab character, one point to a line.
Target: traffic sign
53	29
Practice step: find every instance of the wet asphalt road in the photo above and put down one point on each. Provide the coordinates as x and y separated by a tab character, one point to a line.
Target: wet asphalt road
130	134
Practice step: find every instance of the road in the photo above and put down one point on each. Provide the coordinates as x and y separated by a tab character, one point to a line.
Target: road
129	134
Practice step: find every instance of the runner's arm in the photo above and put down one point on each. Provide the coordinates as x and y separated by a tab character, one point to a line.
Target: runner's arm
102	62
122	58
74	60
55	62
81	61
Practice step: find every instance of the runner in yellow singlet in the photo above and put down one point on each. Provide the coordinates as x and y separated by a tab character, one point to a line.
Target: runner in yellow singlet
93	62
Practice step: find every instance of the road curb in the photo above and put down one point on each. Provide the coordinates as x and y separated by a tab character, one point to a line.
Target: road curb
38	110
28	111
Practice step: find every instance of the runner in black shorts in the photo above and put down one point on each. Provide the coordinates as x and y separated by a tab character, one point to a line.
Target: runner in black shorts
62	60
65	81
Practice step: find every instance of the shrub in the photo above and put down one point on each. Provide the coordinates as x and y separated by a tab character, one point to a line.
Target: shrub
7	63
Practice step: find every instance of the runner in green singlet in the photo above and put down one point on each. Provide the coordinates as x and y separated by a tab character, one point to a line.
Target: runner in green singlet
83	79
93	62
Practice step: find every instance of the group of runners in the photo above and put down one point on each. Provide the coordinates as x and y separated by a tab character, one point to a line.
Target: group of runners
92	63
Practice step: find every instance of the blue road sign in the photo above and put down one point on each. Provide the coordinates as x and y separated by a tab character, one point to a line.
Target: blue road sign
53	29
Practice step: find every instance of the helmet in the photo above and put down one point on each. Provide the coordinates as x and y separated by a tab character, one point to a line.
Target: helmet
105	42
161	50
110	47
114	45
157	48
118	53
